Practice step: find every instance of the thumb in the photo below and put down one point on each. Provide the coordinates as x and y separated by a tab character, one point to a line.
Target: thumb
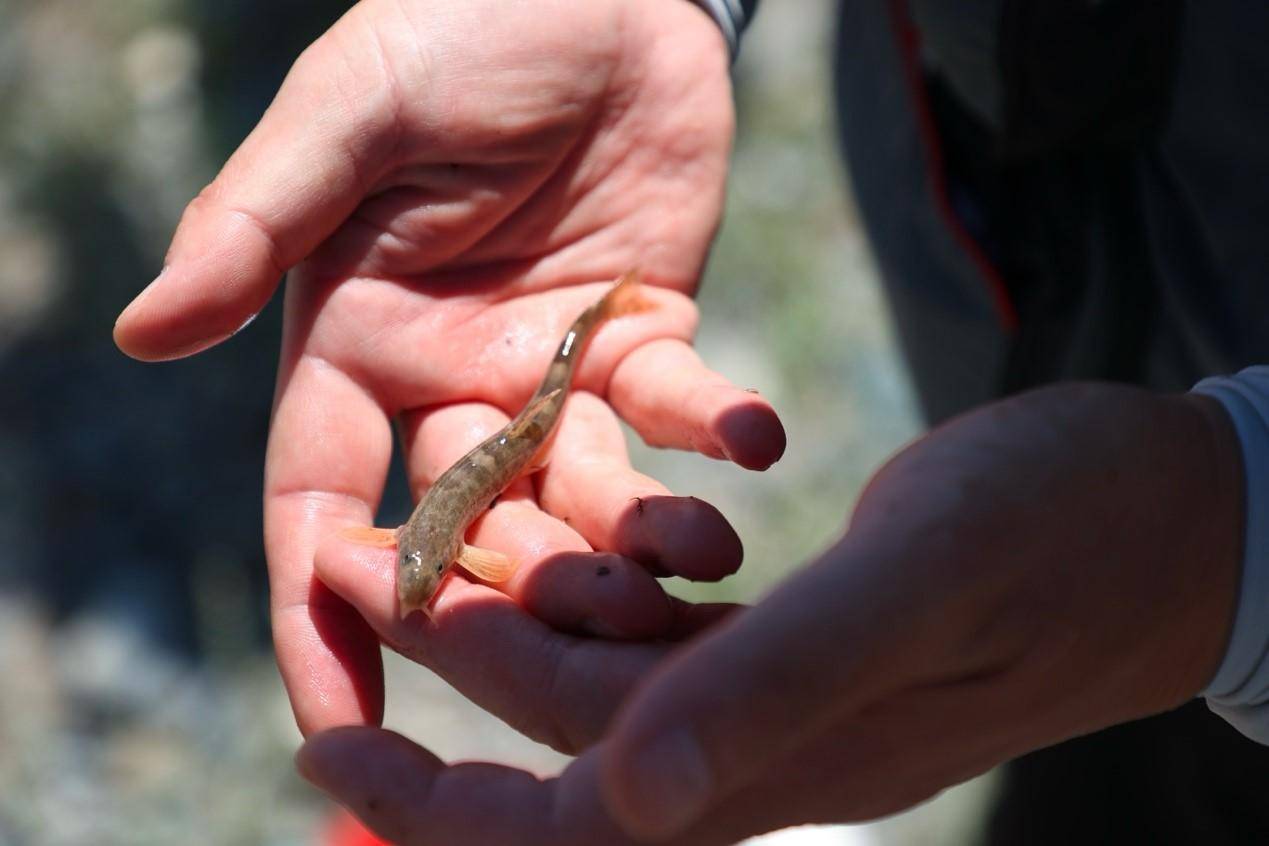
721	713
293	181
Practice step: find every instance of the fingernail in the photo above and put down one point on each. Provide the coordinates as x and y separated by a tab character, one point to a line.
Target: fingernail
673	783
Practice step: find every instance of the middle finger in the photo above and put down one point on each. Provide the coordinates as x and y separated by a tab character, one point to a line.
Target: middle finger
616	507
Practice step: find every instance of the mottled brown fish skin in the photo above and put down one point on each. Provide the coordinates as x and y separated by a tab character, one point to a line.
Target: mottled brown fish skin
432	538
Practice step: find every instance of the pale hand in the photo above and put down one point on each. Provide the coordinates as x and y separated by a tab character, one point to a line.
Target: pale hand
449	184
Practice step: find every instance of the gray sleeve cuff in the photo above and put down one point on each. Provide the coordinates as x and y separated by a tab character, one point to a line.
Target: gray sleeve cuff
1240	691
732	16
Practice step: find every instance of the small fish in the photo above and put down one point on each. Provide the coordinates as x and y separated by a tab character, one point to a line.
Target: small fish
432	539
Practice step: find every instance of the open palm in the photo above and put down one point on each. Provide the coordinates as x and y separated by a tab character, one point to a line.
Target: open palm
449	186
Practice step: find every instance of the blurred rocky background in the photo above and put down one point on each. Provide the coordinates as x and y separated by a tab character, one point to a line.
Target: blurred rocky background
138	699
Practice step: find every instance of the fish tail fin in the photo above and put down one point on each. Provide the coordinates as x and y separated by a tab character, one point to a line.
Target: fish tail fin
625	297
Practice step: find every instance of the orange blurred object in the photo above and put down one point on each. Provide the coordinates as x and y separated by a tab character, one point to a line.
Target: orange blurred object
344	830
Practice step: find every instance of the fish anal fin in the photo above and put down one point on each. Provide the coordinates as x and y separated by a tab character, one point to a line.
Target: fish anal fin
542	457
370	536
527	419
486	564
539	463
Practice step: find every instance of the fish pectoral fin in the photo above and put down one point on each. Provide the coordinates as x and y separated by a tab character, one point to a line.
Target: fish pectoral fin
370	536
539	462
542	458
486	564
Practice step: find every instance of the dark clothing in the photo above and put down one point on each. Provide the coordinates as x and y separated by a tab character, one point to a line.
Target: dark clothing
1100	212
1065	191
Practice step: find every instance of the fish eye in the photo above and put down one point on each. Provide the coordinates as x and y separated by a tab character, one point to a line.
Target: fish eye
440	568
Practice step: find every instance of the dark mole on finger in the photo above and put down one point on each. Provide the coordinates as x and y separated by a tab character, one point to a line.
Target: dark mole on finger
603	570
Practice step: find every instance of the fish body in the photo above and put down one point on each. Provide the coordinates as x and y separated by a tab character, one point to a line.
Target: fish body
432	539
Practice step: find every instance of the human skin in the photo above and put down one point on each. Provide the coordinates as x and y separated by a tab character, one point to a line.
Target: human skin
1044	567
449	185
1041	568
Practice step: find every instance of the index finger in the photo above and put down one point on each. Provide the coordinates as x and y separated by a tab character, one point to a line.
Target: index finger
411	797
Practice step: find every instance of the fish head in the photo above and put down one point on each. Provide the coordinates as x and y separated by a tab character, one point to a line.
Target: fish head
420	568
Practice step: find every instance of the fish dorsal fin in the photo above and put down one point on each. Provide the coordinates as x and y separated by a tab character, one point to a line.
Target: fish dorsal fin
486	564
528	417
